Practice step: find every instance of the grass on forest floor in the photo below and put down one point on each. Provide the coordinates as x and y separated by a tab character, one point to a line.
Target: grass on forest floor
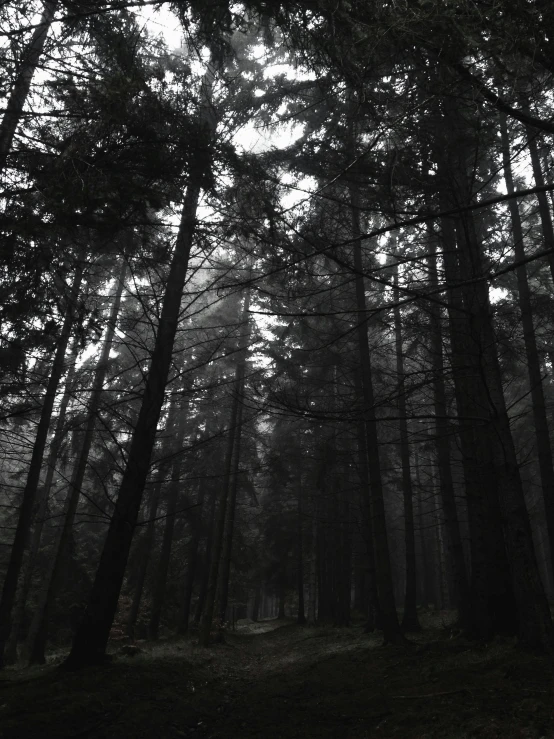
276	679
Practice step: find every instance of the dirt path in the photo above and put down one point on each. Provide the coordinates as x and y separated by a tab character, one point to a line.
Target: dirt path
274	680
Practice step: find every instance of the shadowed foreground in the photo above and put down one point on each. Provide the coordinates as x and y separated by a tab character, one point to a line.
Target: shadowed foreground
281	680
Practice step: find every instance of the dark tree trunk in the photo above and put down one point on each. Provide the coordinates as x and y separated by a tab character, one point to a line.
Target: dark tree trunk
22	84
89	644
428	589
542	197
91	639
534	620
44	496
257	602
217	544
490	589
312	576
442	588
174	489
301	617
30	491
542	435
238	400
388	615
195	520
207	558
372	593
359	574
491	606
410	620
343	557
281	611
38	633
457	152
442	430
325	546
146	550
226	501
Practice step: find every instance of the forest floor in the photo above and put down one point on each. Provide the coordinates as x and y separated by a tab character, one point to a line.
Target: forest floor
276	679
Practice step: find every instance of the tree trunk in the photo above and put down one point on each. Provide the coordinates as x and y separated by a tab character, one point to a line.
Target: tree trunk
410	620
373	617
301	617
326	533
196	517
281	611
312	576
89	644
441	573
360	568
33	477
257	602
442	431
542	197
343	557
534	619
457	153
207	559
22	84
169	527
389	617
44	495
428	589
38	633
491	604
225	570
542	435
146	547
217	544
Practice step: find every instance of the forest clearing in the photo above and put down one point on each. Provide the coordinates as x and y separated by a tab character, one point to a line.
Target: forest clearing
281	680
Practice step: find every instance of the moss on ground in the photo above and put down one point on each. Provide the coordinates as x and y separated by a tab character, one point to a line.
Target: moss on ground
282	680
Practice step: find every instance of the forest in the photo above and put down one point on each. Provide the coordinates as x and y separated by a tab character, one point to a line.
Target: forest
276	359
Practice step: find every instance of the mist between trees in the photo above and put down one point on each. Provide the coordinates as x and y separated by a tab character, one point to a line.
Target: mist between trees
241	384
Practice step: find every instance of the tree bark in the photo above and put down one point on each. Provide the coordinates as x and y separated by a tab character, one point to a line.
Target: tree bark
91	639
389	617
326	532
490	590
441	572
257	602
301	617
410	620
544	207
428	589
225	570
196	517
169	526
30	491
146	547
542	435
207	559
457	153
312	574
44	496
281	594
373	618
38	633
442	430
217	544
22	85
534	619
